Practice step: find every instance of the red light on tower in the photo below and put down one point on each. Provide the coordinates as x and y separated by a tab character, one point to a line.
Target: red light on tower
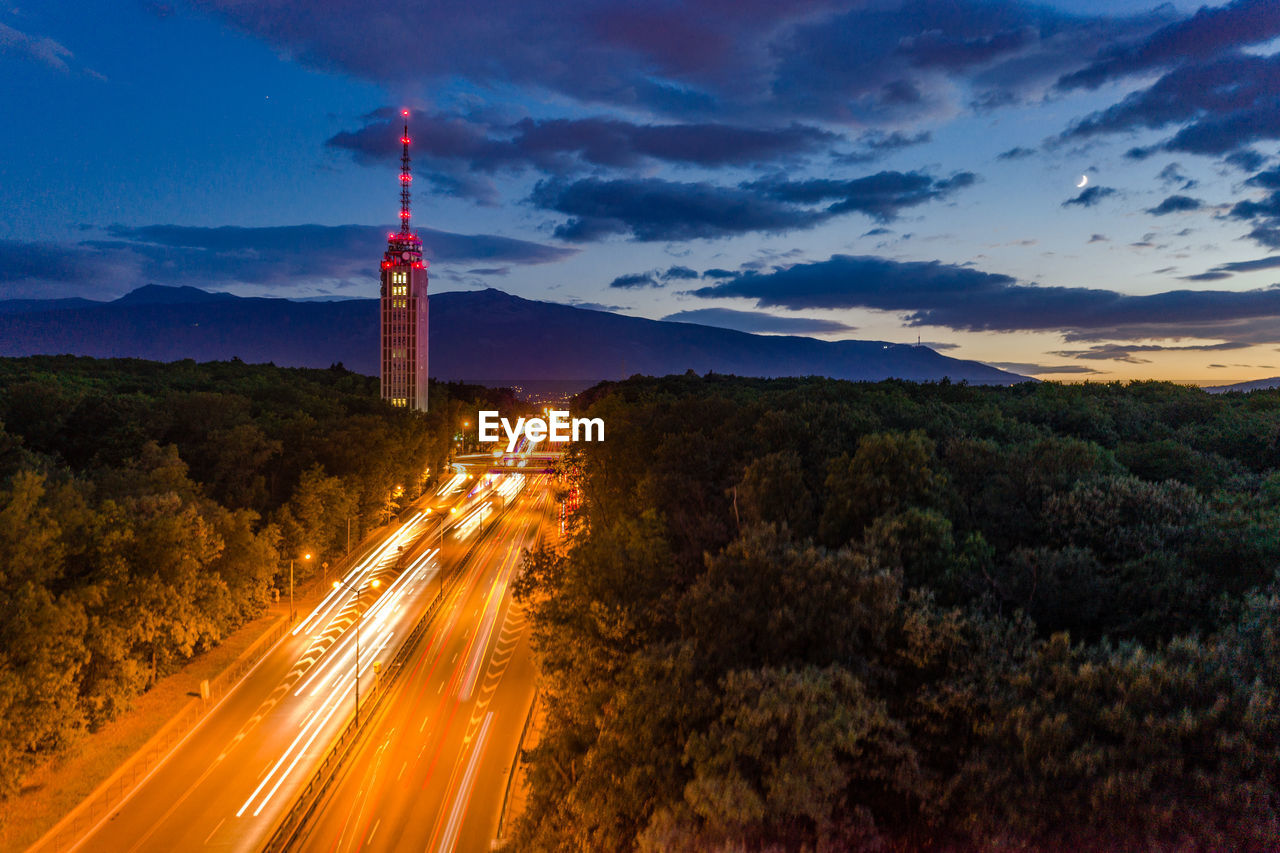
404	113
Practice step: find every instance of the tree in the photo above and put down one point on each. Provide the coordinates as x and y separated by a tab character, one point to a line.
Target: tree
888	471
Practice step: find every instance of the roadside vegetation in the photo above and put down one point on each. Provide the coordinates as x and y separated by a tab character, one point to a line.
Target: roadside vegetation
820	615
147	510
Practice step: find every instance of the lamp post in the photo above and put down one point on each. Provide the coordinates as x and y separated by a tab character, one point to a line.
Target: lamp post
292	615
373	584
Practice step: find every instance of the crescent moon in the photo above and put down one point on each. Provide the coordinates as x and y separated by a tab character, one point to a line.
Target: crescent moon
1084	179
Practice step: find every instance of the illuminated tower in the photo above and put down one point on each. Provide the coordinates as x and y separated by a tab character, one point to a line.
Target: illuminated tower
403	310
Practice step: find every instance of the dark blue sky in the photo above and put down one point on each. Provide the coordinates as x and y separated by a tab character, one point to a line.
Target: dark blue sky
846	169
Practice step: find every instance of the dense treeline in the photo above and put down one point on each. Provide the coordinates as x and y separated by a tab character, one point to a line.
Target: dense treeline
817	615
147	510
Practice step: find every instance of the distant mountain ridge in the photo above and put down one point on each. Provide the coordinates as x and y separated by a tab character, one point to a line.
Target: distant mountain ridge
1251	385
479	335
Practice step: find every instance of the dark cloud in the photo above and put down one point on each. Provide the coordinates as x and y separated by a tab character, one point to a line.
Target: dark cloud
750	58
1246	160
876	144
914	59
655	209
1250	266
454	144
1267	208
1268	180
1175	204
1099	238
880	196
1090	196
936	49
122	257
657	278
718	273
1264	213
758	321
1126	352
1016	153
634	280
1029	369
595	306
1173	174
1207	33
1224	104
964	298
678	273
1227	270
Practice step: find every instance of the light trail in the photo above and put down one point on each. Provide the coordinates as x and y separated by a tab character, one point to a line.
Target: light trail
464	790
371	563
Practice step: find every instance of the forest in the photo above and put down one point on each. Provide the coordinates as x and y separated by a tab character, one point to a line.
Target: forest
147	510
814	615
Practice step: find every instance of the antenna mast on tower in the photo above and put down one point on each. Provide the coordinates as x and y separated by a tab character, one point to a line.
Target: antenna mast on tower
406	177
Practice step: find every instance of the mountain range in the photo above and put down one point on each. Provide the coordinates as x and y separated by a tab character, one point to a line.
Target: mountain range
486	336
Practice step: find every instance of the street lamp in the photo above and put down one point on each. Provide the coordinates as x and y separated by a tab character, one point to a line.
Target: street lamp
292	614
373	584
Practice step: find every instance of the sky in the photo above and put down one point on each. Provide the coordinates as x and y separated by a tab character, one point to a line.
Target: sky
1074	190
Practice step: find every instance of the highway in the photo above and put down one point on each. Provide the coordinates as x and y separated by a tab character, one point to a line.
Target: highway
225	786
432	771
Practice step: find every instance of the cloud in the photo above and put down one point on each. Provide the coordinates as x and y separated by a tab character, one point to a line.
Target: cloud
1207	33
876	143
1125	352
758	321
633	280
1264	213
1175	204
123	257
1246	160
1223	105
1250	266
751	59
1173	174
1269	180
1017	153
455	144
1099	238
1029	369
1090	196
595	306
881	196
932	293
1222	271
678	273
45	51
651	209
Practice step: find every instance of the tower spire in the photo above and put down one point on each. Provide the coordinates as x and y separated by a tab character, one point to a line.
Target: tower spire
406	177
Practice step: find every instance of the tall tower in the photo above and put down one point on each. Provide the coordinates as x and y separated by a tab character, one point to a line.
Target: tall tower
403	310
